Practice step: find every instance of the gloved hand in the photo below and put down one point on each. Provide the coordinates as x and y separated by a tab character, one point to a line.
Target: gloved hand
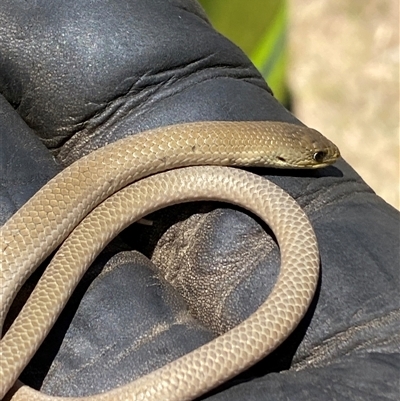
78	75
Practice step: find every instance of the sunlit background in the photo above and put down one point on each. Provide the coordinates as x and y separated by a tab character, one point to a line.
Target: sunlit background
336	64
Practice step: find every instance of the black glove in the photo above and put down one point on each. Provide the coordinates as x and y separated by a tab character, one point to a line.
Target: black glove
79	75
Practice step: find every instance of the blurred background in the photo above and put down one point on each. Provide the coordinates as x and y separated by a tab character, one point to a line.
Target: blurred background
335	64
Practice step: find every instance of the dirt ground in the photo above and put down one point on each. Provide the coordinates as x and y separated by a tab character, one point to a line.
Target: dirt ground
344	76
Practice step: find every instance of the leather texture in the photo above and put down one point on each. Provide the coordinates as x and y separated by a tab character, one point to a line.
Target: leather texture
75	76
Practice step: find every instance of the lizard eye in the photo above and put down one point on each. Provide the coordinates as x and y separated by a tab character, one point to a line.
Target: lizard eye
319	156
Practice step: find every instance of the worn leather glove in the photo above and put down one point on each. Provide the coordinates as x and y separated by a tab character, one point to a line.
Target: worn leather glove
76	75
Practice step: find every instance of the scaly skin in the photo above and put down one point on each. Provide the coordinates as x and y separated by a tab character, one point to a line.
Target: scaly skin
50	216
